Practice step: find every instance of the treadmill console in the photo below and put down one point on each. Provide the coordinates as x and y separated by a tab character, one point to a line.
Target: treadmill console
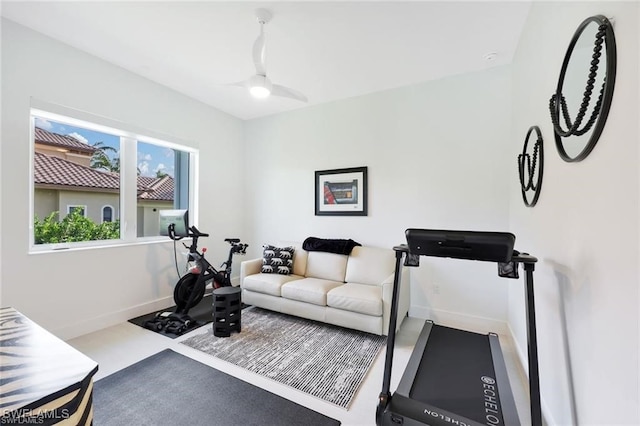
471	245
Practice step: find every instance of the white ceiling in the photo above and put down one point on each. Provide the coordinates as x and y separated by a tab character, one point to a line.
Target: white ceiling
327	50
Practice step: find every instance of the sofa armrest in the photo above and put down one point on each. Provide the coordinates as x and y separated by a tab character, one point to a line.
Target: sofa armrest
403	299
249	267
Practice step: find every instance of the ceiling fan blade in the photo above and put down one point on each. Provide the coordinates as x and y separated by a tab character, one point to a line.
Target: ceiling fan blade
243	83
259	58
286	92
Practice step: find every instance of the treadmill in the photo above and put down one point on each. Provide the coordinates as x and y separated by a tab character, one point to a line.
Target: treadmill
457	377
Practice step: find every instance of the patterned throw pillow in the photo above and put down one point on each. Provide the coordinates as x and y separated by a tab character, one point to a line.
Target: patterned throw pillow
277	260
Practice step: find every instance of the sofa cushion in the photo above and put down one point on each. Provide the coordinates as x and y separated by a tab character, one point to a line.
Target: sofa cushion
362	298
327	266
299	256
267	283
309	290
277	260
370	265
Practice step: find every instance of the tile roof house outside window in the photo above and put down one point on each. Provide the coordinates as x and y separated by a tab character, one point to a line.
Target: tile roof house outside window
63	177
62	146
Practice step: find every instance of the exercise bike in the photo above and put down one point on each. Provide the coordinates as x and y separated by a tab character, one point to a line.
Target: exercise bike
191	287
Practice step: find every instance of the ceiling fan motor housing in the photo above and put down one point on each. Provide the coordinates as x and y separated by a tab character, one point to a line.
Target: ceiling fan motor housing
260	86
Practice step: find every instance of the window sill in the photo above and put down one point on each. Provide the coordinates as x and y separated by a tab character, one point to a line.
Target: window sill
92	245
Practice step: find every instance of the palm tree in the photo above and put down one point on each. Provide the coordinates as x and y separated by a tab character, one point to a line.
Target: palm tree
101	161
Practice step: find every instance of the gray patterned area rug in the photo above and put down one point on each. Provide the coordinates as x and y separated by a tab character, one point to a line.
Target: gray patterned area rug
322	360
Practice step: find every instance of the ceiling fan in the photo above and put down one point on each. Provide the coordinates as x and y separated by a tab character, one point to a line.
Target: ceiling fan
259	85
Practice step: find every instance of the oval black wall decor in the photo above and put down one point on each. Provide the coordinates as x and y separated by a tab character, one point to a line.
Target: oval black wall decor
530	167
584	62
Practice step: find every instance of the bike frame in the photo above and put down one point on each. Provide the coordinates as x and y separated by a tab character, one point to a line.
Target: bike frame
190	288
206	271
207	268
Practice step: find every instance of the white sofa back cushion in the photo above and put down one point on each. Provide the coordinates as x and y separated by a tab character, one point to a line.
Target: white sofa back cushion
299	256
370	265
328	266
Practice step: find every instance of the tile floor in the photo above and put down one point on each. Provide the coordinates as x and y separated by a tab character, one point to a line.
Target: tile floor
124	344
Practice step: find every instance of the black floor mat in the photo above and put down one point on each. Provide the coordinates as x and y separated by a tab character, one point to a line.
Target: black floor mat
201	314
172	389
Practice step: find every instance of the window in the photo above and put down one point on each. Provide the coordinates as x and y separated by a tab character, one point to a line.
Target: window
75	173
107	214
163	178
88	175
81	210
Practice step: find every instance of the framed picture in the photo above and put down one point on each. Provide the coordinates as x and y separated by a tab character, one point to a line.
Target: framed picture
341	192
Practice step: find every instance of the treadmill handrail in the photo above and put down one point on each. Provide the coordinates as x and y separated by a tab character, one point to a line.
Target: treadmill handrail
401	248
391	338
524	258
521	257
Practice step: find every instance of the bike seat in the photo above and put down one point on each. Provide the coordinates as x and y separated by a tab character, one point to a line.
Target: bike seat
232	240
195	232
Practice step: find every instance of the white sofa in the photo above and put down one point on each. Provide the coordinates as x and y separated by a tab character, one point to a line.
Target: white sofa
351	291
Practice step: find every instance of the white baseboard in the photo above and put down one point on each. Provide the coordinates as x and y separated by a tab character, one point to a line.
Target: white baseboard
111	319
458	320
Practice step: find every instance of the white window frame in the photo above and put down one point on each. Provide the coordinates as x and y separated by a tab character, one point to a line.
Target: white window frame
113	213
129	135
75	206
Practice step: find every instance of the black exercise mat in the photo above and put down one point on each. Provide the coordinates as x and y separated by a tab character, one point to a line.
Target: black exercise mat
202	314
171	389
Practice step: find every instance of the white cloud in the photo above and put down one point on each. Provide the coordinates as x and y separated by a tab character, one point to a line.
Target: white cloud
143	166
168	152
160	167
144	157
79	137
43	124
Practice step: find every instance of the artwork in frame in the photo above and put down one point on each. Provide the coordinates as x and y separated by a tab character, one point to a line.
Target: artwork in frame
341	192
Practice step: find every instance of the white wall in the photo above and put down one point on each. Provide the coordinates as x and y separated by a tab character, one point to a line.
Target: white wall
436	158
74	292
584	228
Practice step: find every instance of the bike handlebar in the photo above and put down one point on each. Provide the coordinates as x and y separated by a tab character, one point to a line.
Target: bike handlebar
240	248
236	245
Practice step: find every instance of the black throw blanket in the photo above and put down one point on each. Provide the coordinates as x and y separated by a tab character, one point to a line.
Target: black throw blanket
329	245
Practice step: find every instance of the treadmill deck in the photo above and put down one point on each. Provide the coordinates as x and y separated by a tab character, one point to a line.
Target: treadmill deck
456	377
456	374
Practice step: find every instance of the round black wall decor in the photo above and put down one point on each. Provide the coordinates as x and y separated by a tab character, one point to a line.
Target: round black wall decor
530	167
580	106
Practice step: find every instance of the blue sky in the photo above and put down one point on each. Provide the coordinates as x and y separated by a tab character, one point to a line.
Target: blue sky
151	158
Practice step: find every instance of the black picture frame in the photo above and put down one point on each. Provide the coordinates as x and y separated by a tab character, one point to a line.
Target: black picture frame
341	192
